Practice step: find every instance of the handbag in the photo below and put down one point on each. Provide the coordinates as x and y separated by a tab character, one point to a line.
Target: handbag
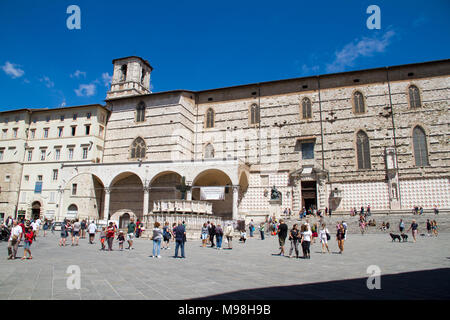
328	236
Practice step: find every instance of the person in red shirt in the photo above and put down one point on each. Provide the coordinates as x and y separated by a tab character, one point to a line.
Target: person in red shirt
110	232
23	229
28	241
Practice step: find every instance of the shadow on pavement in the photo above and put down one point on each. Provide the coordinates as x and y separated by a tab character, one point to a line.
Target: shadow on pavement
418	285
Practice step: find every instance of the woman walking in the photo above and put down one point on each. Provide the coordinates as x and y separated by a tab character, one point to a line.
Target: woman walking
340	236
414	226
46	226
110	232
294	236
306	241
157	237
362	226
204	235
324	236
434	228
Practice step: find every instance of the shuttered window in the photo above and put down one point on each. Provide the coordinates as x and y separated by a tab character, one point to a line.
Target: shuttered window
363	150
420	147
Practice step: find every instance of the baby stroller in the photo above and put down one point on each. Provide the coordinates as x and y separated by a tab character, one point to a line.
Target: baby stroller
4	233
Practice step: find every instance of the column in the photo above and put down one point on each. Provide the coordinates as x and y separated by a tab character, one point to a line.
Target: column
106	209
235	202
189	195
61	195
146	198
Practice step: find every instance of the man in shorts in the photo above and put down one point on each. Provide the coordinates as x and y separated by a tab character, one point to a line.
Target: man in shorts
92	229
130	233
13	243
76	232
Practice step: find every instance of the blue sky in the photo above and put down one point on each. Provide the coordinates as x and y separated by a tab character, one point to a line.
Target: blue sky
199	45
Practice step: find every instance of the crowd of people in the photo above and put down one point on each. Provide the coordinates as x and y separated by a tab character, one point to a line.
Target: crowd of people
302	234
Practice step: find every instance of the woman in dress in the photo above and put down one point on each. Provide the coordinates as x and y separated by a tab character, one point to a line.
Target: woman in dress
340	236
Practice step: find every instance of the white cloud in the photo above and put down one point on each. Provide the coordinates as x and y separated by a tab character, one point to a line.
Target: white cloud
77	74
106	79
48	83
359	48
63	104
12	70
85	90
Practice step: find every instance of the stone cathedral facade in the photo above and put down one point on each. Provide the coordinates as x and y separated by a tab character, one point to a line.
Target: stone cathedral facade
377	137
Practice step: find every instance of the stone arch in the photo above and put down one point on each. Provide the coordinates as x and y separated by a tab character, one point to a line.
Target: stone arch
215	177
90	197
72	212
163	186
126	194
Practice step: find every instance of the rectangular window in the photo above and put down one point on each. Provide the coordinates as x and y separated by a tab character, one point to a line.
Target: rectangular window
88	129
88	115
55	174
17	119
70	153
52	197
74	189
47	119
7	178
85	153
45	132
43	155
30	155
74	129
27	178
62	118
33	133
307	150
5	133
60	131
39	178
1	155
57	154
75	116
101	132
15	130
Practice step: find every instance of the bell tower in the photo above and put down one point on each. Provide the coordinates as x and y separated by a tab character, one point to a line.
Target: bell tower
131	77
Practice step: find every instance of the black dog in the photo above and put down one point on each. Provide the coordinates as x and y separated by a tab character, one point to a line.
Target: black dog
404	237
395	236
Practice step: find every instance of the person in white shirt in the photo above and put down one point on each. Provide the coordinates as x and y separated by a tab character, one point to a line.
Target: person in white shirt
306	241
38	222
229	234
13	243
92	229
323	236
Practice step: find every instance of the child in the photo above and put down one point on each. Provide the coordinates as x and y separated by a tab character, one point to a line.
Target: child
243	236
103	238
29	235
121	239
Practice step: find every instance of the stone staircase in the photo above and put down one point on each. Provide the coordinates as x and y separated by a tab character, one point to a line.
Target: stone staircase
442	219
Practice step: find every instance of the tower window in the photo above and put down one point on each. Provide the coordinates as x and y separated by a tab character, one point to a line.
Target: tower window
254	114
138	149
414	97
210	118
140	112
124	72
358	102
306	108
363	150
420	147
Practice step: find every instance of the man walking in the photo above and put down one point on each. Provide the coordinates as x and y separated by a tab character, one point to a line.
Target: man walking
76	232
13	243
92	229
251	227
180	236
130	234
282	234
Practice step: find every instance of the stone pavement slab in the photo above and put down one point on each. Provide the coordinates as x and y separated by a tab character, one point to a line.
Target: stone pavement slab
249	271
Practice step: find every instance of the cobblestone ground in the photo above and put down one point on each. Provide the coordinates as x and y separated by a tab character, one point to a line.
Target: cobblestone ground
250	271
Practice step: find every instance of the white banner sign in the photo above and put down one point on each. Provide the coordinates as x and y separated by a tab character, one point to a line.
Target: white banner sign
212	193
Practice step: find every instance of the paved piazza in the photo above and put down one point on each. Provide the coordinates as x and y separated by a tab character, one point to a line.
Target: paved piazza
250	271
